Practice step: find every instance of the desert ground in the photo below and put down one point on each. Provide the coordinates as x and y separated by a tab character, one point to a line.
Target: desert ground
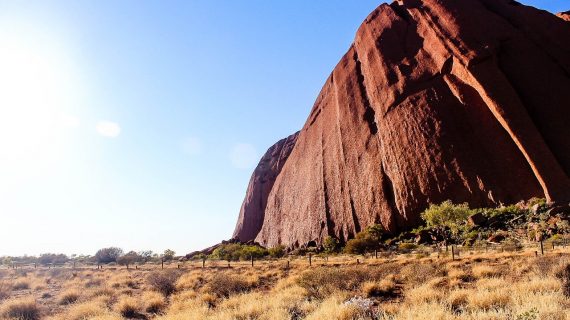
477	285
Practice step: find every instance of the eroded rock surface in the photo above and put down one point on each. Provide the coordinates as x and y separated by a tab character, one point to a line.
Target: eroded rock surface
252	210
436	99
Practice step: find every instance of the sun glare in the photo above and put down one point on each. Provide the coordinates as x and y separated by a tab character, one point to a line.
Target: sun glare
33	89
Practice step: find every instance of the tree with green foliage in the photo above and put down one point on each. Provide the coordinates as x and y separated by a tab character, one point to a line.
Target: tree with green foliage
277	251
108	255
331	244
375	232
235	251
447	216
129	258
168	254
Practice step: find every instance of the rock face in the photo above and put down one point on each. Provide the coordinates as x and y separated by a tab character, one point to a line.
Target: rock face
564	15
436	99
253	208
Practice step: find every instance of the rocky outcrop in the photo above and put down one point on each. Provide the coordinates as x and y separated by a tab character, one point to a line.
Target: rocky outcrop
252	211
435	100
564	15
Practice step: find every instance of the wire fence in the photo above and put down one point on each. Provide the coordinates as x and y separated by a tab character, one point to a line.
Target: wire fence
541	248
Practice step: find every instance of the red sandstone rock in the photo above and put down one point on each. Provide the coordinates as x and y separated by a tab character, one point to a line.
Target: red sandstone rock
436	99
253	208
564	15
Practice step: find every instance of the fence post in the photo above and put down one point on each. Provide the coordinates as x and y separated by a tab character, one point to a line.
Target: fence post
552	244
162	263
376	253
252	260
541	248
287	264
310	259
452	253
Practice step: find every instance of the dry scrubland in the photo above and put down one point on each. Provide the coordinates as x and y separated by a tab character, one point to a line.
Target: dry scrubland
510	285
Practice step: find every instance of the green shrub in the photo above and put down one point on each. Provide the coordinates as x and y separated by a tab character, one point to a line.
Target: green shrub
235	251
447	216
331	244
367	240
358	246
277	251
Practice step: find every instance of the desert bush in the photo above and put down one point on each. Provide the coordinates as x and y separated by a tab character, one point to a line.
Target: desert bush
129	258
163	281
128	307
52	258
331	244
108	255
21	285
21	309
224	284
154	302
83	311
69	297
5	289
235	251
384	289
93	283
277	251
489	299
366	240
323	282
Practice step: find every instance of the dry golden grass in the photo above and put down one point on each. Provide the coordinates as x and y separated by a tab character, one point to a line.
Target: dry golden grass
20	309
511	285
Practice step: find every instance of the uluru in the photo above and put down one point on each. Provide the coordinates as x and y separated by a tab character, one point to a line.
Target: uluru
435	99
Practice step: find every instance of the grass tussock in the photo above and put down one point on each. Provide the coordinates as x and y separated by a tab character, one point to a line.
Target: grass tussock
69	296
163	281
20	309
509	285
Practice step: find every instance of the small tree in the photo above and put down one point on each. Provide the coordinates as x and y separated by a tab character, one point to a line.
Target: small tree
146	255
168	254
375	232
277	251
129	258
331	244
108	255
447	216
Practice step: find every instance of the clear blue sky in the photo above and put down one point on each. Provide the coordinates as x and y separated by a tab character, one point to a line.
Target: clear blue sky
138	123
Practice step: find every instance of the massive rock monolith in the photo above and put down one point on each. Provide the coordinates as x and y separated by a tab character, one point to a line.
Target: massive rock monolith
252	210
436	99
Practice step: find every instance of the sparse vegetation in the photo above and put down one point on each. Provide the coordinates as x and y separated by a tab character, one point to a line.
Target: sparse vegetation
163	281
20	309
482	285
497	271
